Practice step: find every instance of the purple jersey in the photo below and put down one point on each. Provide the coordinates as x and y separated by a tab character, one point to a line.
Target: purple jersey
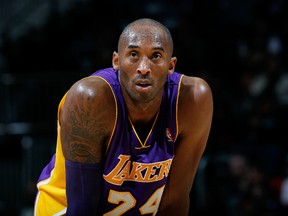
135	172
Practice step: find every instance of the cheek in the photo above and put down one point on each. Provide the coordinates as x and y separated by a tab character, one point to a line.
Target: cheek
125	80
163	78
161	81
124	77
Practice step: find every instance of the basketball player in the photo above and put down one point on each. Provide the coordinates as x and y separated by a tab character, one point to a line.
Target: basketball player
130	137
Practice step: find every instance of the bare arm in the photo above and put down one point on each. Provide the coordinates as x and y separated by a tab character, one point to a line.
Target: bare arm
195	118
86	118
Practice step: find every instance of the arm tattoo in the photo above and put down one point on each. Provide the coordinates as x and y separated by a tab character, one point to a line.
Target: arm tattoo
86	139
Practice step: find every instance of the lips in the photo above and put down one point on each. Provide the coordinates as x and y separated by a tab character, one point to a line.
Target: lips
143	85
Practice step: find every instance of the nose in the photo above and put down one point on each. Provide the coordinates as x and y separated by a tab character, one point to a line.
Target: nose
144	66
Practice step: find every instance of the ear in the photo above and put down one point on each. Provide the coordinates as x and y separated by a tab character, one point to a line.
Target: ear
115	60
172	65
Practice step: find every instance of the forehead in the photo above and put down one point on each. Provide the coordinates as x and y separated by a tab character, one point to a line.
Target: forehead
145	34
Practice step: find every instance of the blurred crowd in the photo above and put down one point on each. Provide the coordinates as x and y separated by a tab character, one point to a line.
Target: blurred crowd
239	47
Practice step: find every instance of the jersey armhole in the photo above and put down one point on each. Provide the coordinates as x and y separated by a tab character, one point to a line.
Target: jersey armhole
177	105
116	112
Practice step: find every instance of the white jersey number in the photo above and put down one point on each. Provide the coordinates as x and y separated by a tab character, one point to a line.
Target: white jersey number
128	202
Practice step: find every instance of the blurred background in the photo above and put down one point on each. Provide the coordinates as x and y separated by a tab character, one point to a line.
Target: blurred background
238	46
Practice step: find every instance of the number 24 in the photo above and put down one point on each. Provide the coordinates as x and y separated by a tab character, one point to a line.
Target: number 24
128	202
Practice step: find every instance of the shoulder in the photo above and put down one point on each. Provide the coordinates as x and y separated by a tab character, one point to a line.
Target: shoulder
195	103
90	96
89	88
195	89
87	118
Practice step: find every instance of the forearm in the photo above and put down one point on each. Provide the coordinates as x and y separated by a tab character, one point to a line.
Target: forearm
83	188
176	207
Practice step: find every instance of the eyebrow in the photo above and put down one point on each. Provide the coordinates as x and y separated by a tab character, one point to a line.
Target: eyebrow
154	48
159	48
132	46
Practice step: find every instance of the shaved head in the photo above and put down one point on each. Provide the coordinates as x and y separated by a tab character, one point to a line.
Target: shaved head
150	27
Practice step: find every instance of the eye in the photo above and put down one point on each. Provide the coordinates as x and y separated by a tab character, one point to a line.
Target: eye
157	56
133	54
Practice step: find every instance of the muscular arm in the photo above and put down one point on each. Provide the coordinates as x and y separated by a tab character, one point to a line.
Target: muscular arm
195	118
86	119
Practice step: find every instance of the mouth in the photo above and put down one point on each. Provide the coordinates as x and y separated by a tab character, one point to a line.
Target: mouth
143	85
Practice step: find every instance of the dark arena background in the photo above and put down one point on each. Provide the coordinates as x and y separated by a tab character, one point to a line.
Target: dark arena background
238	46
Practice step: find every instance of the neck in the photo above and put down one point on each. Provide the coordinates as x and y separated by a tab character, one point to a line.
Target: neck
142	114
